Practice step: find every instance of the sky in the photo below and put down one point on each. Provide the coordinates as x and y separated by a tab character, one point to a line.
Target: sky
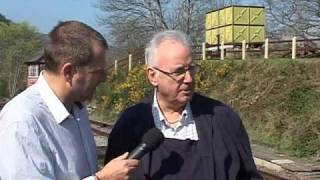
45	14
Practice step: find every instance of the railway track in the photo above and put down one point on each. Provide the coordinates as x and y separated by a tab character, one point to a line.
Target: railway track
271	176
101	128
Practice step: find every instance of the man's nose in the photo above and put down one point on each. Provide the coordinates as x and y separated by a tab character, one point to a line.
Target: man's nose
188	77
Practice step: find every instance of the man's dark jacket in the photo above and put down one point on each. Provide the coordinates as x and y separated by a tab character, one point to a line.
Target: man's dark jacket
223	141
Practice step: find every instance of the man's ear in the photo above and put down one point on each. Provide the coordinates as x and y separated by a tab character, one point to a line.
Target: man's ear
67	71
152	76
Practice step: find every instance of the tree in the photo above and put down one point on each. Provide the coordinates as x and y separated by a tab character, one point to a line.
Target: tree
18	42
131	22
298	17
4	19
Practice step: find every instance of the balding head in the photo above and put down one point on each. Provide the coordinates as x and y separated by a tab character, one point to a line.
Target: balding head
71	42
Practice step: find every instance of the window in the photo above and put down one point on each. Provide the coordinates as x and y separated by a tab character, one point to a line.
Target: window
33	70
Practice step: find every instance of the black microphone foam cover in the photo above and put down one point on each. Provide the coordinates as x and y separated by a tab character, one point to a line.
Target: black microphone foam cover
152	138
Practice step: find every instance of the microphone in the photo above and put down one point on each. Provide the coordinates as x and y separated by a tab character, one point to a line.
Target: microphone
150	141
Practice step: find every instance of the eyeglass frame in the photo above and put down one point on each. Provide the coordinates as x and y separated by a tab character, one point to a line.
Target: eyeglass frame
175	77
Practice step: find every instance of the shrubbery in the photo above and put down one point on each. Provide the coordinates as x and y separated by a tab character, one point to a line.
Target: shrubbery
121	90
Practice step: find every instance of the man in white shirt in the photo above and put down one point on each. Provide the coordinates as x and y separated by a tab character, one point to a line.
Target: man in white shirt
44	131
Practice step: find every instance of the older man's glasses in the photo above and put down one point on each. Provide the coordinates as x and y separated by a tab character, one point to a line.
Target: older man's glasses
180	73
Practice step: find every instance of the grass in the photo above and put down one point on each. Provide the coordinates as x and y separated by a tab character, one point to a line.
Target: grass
278	100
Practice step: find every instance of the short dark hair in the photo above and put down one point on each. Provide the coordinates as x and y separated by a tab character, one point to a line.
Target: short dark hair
71	41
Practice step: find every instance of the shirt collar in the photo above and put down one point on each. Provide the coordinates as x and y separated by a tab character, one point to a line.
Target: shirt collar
156	107
56	107
185	115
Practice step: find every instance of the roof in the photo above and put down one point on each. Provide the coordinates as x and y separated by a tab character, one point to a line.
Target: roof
37	59
210	11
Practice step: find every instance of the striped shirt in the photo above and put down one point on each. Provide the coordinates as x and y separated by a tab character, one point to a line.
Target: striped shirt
184	128
40	139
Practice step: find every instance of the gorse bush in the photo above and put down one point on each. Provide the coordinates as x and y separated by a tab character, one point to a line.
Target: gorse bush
278	100
210	74
123	89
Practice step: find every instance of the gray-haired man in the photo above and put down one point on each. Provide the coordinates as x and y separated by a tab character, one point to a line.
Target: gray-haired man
204	138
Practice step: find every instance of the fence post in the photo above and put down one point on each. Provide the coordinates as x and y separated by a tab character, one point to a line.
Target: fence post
294	47
130	62
266	49
116	66
243	49
203	51
222	50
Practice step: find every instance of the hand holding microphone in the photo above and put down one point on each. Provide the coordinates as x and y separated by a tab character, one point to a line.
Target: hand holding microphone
119	167
150	141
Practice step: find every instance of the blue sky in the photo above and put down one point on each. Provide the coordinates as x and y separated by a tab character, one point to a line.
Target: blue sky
45	14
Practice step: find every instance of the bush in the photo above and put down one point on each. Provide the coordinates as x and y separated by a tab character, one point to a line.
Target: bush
122	90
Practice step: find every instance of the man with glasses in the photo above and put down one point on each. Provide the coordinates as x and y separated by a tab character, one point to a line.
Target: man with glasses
204	138
45	131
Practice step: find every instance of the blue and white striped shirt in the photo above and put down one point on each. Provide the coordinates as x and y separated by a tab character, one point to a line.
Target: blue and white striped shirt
184	128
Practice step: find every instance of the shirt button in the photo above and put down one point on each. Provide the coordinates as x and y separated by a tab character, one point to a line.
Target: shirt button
43	167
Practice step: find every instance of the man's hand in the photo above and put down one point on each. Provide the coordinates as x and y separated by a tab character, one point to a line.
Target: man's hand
118	168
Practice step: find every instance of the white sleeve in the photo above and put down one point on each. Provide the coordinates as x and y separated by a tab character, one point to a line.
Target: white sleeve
24	152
